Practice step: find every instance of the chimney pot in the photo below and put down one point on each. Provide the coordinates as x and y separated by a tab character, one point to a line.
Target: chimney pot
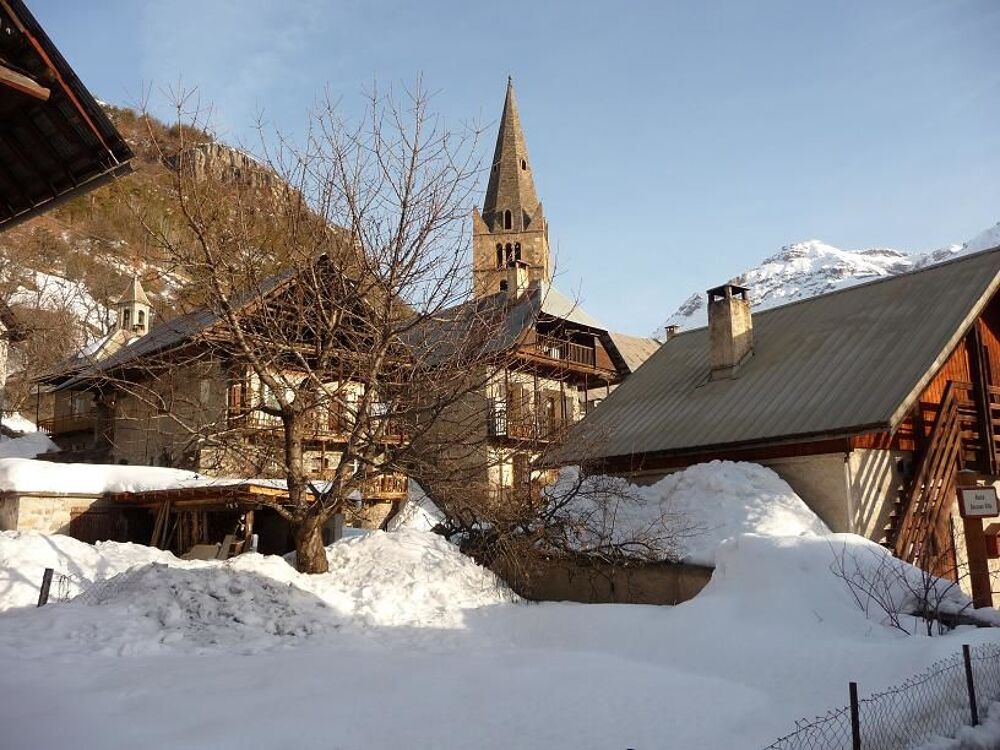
730	329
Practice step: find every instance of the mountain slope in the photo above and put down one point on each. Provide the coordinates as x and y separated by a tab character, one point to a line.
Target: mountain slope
805	269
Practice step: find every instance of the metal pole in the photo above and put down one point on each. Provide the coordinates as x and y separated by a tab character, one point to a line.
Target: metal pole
855	718
43	594
973	708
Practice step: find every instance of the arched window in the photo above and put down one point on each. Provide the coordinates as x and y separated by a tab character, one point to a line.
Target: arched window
126	317
142	316
499	255
507	219
517	251
524	164
510	253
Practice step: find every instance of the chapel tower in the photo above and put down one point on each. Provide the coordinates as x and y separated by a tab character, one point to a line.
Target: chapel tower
511	227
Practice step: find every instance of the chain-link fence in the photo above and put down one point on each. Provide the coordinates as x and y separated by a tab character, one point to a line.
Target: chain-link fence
935	703
66	587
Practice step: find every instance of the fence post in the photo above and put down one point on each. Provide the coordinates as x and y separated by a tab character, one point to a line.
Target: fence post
855	718
967	657
43	594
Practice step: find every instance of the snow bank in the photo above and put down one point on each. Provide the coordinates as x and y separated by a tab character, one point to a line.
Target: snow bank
418	512
18	423
24	556
29	445
697	508
248	604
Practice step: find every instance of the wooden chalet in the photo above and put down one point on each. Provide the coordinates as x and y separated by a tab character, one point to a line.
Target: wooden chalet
870	401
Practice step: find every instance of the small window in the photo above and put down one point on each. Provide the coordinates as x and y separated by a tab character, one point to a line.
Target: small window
126	318
503	286
499	255
507	219
510	253
524	164
142	318
517	251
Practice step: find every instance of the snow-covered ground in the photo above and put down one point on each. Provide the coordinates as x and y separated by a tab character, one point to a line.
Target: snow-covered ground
408	643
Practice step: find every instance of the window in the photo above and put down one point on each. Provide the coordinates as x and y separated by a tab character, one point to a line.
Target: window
510	253
499	255
503	286
517	251
507	219
126	317
142	318
524	164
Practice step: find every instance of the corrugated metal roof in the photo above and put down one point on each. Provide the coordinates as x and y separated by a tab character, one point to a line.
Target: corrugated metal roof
635	350
828	365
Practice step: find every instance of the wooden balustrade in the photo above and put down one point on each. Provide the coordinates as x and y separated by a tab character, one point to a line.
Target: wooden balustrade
563	350
64	424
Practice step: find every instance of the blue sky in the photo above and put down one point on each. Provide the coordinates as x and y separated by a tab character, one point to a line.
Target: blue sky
674	143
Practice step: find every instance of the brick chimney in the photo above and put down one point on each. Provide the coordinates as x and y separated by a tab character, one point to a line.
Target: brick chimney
730	329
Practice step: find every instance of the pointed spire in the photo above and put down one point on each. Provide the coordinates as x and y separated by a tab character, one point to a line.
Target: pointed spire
511	186
134	293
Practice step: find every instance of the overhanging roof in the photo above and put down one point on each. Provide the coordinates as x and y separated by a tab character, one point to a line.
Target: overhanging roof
55	141
843	363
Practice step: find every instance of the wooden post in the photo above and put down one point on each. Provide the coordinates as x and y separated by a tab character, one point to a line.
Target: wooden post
979	567
43	594
971	685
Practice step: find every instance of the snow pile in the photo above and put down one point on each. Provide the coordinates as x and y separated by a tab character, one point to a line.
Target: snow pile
16	422
248	604
695	509
211	605
28	445
418	512
805	269
24	556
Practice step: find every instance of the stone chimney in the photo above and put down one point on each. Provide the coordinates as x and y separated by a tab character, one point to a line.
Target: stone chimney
517	279
730	329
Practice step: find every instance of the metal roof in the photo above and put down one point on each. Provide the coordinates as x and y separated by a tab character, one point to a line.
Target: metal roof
635	350
837	364
55	142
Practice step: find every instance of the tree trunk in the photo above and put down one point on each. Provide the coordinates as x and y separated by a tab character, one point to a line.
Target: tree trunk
310	555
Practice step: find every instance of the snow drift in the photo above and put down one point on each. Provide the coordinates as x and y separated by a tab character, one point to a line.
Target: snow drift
695	509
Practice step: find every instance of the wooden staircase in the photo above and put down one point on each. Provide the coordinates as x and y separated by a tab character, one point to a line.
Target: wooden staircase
915	531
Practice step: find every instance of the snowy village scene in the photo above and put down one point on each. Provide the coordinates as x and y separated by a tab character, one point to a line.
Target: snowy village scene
442	376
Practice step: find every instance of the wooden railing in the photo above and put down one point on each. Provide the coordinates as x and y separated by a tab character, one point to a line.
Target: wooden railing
929	496
320	426
501	423
385	487
566	351
67	423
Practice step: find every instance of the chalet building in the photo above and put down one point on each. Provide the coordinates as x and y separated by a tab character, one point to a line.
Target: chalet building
557	360
868	401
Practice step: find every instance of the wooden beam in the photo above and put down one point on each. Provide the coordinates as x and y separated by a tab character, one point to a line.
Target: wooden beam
19	82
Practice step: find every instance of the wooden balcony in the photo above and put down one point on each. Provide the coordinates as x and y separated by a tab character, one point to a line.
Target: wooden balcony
385	487
67	423
324	427
561	350
528	428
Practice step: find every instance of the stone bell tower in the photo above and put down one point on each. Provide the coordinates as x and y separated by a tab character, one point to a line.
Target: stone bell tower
511	227
134	310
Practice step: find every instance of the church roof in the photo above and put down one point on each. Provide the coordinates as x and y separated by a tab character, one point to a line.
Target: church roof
844	363
134	293
511	185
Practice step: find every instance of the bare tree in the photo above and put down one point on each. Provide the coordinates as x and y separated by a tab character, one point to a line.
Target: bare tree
321	267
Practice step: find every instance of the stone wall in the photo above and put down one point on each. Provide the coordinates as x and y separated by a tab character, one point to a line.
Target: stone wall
47	513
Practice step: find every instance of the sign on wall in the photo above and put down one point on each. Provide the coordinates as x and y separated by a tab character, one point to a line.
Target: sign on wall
979	502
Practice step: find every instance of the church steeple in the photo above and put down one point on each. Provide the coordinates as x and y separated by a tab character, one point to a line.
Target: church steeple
511	187
511	228
134	310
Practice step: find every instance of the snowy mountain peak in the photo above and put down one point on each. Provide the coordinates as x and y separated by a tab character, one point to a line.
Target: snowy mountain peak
805	269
